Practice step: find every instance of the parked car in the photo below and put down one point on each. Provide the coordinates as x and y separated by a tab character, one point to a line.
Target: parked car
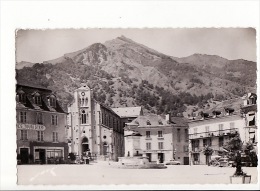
173	162
232	163
223	162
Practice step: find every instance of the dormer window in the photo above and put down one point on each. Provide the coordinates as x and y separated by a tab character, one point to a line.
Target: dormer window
252	100
52	101
229	111
20	96
37	99
148	122
160	122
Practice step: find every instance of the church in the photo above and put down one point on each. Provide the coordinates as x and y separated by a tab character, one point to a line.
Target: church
94	128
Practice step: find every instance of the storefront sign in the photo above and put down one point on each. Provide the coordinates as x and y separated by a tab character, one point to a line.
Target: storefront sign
35	127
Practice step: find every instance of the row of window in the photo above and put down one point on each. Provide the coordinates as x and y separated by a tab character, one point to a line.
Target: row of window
21	97
160	146
160	134
39	118
149	146
220	127
40	136
148	134
208	142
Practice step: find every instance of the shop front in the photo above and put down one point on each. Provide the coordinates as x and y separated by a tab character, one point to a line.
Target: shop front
49	153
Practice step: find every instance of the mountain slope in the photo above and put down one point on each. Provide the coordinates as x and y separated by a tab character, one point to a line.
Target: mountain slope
125	73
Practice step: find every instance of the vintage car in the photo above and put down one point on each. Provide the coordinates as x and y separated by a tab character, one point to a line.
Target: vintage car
173	162
223	162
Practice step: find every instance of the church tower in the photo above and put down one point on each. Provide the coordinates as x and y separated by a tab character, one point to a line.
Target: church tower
81	112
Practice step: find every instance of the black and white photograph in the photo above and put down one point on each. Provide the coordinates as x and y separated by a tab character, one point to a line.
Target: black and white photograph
140	103
150	95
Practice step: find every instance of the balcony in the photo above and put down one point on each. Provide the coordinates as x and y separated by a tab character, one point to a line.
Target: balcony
226	132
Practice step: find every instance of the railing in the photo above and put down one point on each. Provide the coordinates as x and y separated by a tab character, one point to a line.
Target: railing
217	133
198	149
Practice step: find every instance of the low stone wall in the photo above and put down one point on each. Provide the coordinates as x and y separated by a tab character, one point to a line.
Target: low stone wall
142	166
133	160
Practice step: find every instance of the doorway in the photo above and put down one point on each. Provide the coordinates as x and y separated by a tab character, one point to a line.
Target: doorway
149	156
186	160
42	156
161	157
85	145
24	153
105	148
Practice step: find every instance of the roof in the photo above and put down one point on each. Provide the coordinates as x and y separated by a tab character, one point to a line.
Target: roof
108	108
29	91
235	103
83	87
228	106
180	121
154	120
32	86
128	111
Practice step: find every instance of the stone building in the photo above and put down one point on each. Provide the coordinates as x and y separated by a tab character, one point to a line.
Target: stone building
41	125
94	127
157	138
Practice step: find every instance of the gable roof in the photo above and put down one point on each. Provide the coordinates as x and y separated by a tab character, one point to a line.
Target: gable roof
128	111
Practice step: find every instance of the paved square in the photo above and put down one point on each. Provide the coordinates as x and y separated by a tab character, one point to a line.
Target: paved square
103	173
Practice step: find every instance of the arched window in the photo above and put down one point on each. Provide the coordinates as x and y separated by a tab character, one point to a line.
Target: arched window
84	117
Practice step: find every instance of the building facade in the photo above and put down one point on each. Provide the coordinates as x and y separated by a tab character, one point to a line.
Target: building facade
41	126
94	127
155	138
249	110
180	139
213	132
216	128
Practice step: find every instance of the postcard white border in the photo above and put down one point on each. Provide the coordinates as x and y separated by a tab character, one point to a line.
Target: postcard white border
103	14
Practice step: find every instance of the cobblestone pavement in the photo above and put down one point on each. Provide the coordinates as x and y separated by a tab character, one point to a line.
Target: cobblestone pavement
104	173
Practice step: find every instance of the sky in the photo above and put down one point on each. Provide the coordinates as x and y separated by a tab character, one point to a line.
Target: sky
232	43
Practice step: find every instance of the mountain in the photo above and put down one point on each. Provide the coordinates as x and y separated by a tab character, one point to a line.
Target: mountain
23	64
240	70
125	73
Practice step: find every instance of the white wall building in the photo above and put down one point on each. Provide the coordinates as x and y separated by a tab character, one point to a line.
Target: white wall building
156	138
214	129
94	127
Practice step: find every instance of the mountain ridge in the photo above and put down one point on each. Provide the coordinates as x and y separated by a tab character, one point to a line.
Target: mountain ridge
126	73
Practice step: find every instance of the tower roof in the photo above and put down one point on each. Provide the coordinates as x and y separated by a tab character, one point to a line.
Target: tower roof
83	87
